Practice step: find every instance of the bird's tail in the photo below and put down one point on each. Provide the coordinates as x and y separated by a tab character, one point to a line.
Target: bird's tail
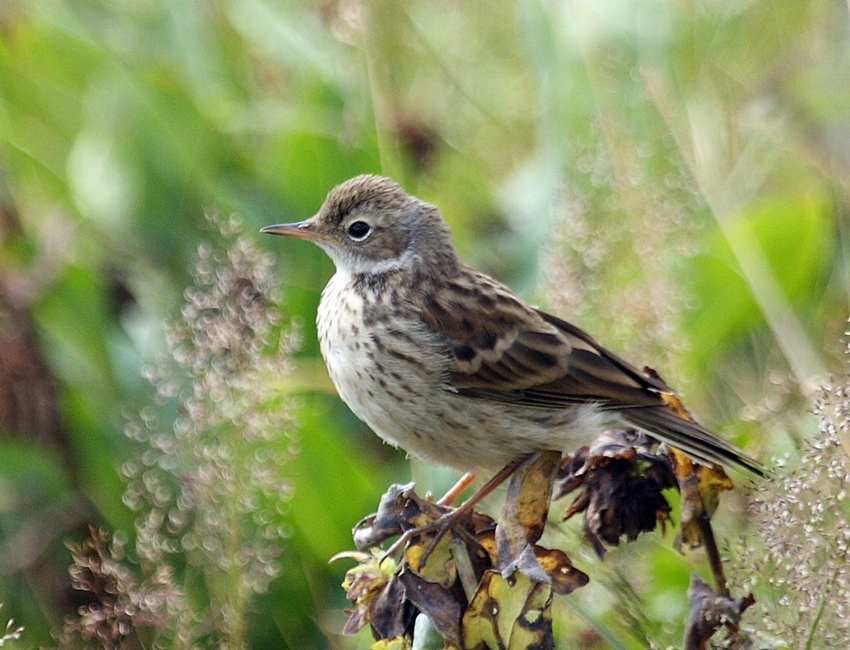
665	424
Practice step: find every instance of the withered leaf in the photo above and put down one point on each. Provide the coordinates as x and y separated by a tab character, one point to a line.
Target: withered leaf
622	482
357	618
709	612
486	585
700	493
558	567
363	584
526	507
510	613
391	614
439	566
565	578
436	601
527	564
400	509
386	522
690	534
487	539
712	481
470	561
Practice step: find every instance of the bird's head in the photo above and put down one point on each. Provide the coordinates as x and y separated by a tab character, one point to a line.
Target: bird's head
368	224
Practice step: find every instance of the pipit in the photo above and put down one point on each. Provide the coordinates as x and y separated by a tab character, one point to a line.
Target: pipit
454	368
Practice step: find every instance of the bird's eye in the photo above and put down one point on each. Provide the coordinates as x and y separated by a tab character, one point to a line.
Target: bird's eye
359	230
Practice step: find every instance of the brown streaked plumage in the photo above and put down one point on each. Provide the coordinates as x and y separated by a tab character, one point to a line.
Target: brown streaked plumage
449	364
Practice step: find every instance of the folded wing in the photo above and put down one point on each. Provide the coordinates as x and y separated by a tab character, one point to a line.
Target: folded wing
527	357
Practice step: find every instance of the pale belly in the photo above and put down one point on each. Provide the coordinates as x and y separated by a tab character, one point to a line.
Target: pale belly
394	379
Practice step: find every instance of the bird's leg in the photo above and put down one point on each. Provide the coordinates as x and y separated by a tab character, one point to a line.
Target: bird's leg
444	523
485	490
457	489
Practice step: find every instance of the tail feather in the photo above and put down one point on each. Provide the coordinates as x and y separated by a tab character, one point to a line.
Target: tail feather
664	424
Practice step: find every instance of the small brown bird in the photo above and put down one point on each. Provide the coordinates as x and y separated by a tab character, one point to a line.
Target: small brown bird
450	365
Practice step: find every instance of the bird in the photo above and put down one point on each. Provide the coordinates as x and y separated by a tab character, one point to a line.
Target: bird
451	365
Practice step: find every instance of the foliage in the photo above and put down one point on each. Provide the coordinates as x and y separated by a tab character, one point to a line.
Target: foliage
209	486
483	583
796	560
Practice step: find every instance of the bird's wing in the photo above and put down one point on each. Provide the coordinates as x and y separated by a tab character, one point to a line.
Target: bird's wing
504	349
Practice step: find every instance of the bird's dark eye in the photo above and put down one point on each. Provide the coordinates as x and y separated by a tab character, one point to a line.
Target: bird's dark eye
359	230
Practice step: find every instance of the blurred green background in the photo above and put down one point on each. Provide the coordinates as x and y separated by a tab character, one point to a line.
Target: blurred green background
672	176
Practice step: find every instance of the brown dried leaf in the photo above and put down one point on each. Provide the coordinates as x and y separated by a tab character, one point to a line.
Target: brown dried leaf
712	481
439	565
400	509
388	596
690	534
700	494
357	618
526	507
390	613
510	613
471	560
486	536
709	612
557	566
437	602
363	584
622	481
441	571
565	578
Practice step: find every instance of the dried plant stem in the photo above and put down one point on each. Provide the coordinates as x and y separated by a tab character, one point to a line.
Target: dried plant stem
713	555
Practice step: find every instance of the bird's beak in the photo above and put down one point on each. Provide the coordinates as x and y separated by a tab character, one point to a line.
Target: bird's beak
299	230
